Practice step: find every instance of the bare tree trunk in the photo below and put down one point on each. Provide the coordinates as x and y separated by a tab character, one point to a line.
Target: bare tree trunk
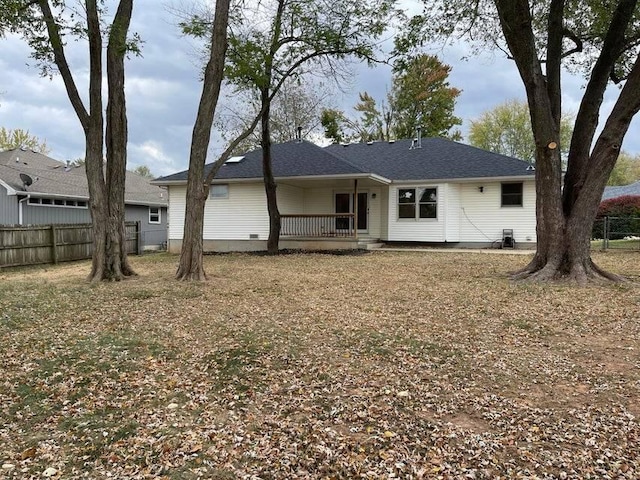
191	262
116	263
270	185
191	265
106	199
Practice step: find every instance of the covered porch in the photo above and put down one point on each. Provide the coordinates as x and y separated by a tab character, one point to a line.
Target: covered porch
335	210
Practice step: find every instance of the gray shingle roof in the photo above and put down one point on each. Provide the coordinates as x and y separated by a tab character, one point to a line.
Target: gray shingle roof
50	177
614	192
289	159
437	159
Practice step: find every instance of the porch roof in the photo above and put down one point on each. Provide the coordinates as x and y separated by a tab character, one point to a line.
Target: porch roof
289	159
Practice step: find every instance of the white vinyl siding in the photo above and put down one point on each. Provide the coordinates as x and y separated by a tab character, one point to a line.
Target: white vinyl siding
290	200
483	218
418	229
242	214
384	213
450	195
375	212
177	202
318	201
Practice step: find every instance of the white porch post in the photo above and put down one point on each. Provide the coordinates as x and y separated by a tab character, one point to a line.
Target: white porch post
355	208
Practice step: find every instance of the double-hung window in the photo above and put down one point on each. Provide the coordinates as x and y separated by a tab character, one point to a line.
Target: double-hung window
154	215
418	203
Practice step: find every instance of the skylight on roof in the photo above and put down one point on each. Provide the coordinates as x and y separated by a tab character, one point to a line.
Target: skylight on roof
235	159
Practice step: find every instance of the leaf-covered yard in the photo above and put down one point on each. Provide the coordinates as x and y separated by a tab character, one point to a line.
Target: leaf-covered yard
380	365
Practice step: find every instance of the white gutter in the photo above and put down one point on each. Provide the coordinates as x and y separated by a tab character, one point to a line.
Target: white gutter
466	180
20	219
343	176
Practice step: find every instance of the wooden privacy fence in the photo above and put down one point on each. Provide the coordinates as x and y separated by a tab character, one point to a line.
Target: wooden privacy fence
35	244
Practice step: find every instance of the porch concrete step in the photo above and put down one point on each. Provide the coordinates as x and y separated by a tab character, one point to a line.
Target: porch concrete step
370	244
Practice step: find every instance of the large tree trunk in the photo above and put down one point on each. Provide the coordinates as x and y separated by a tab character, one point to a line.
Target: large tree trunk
565	213
191	265
270	185
191	261
116	263
106	199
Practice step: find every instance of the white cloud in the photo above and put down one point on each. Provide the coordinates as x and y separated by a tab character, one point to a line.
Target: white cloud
153	155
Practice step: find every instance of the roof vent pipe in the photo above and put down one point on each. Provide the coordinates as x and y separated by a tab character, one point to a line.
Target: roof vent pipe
419	133
299	137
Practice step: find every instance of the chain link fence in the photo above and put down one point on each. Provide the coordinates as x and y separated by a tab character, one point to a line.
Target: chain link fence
621	233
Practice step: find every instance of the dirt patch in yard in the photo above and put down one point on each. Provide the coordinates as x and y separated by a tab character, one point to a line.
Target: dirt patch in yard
379	365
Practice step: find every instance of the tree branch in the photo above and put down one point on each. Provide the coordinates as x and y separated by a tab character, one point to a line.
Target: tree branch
60	58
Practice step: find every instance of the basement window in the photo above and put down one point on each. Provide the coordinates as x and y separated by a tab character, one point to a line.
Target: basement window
219	191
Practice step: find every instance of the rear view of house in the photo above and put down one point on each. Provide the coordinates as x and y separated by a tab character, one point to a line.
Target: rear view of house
343	196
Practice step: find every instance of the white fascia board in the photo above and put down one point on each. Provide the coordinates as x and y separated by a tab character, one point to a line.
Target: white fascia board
347	176
53	195
10	190
466	180
79	197
146	204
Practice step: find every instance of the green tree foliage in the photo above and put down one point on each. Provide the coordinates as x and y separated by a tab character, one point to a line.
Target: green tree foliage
18	138
47	26
420	96
144	171
626	170
506	129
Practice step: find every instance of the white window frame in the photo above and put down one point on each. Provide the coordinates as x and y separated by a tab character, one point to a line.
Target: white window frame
159	215
224	187
519	205
51	202
417	192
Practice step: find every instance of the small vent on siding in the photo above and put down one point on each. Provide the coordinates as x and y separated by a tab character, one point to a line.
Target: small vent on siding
253	236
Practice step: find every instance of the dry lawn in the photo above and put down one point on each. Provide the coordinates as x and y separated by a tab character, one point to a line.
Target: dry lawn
381	365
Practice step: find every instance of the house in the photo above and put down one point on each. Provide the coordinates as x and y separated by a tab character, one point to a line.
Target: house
38	190
428	190
620	191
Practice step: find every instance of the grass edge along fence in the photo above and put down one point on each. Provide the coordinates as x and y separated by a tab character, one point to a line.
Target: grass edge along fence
620	233
39	244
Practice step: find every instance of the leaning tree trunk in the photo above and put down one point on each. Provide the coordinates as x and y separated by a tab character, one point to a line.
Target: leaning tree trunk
270	185
191	265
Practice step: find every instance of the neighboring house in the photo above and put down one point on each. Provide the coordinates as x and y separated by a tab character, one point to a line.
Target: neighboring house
431	191
615	192
38	190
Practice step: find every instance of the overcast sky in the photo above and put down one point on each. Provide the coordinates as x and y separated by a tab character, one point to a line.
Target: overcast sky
163	91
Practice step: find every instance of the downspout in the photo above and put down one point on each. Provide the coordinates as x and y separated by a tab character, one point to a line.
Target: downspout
20	219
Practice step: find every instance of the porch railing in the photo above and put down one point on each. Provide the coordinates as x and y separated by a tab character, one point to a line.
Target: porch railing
321	225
